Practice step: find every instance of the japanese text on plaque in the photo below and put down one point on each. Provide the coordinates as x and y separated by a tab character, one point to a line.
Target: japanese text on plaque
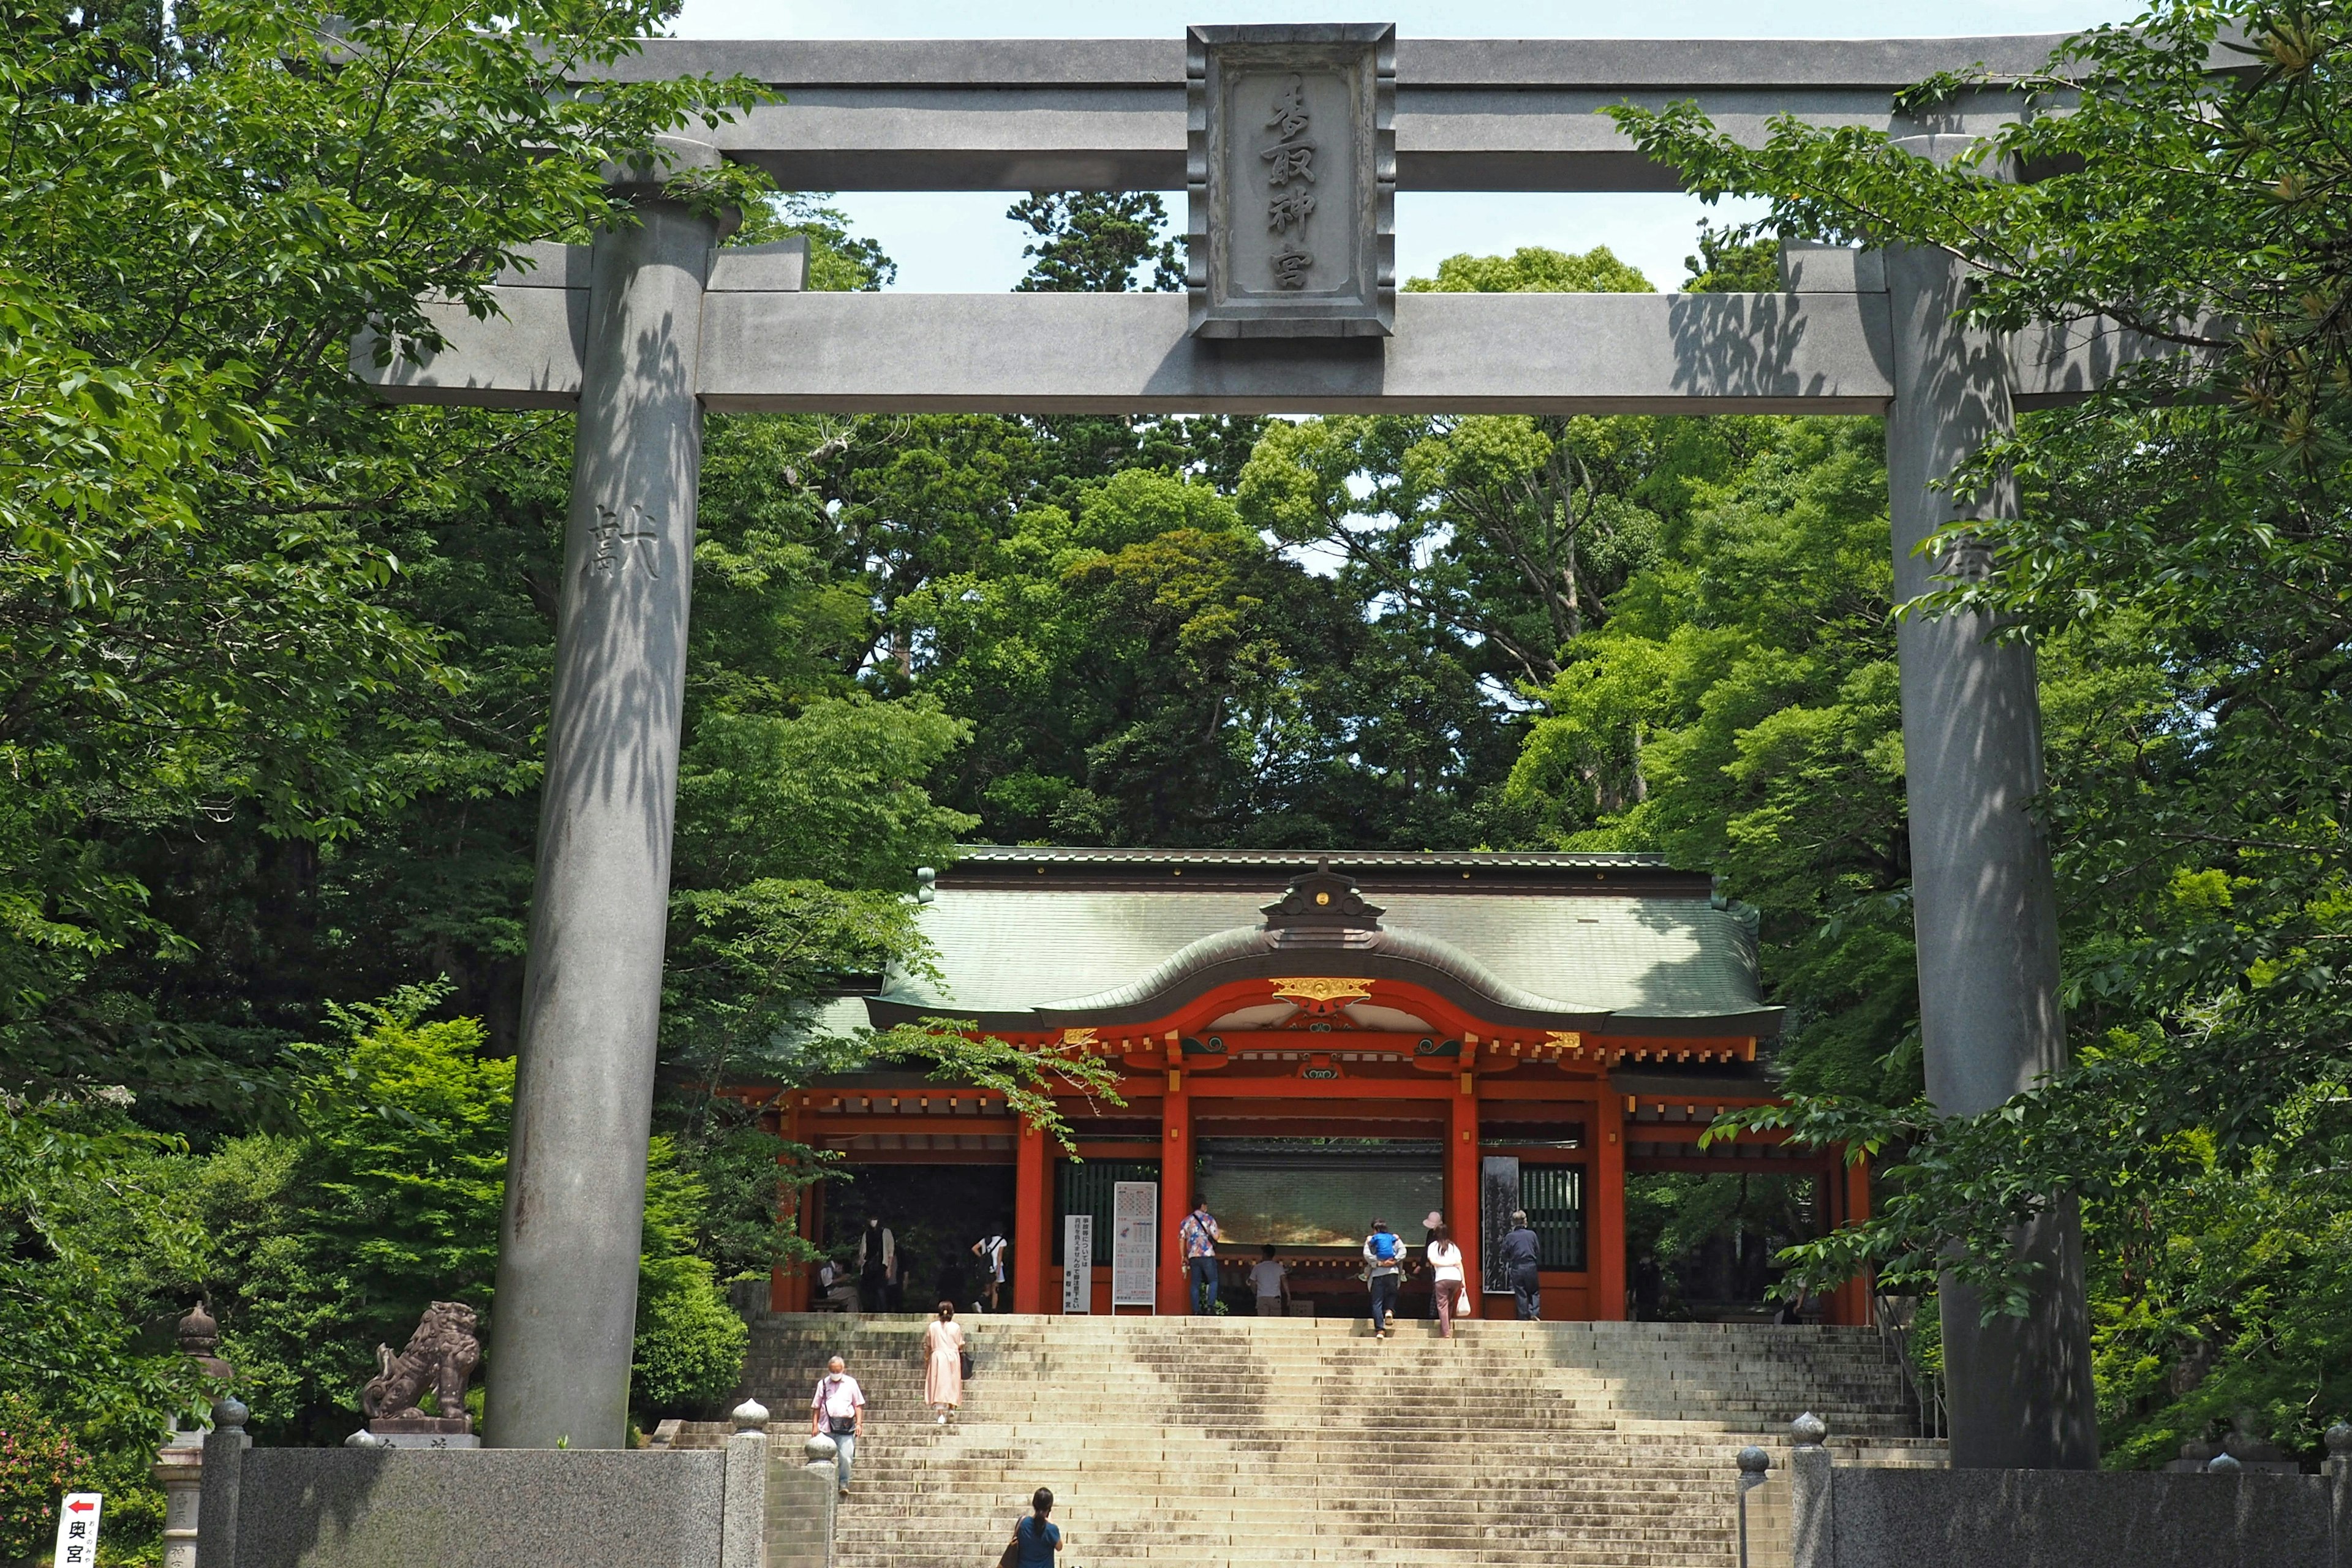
1289	176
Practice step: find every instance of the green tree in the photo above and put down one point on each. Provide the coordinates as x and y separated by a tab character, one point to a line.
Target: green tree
328	1242
1739	711
193	571
1096	242
1506	531
2185	523
1730	263
1533	269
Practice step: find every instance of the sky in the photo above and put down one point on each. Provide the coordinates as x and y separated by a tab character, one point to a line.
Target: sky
960	241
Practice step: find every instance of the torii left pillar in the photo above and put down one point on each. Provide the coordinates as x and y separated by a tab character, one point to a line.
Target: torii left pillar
564	1317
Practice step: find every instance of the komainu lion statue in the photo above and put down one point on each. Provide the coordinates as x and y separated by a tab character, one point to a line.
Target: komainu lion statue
441	1355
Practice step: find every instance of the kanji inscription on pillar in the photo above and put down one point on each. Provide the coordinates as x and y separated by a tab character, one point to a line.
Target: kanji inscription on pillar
621	540
1292	177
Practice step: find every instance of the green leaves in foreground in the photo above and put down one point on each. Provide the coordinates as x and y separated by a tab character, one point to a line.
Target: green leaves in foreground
2182	555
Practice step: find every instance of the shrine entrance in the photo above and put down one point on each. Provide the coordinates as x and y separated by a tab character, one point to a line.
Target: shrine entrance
1291	307
1313	1047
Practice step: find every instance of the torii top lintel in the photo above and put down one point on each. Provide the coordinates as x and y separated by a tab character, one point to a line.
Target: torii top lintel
1489	115
1502	114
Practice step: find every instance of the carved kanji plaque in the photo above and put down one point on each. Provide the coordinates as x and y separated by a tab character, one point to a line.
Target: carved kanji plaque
1292	175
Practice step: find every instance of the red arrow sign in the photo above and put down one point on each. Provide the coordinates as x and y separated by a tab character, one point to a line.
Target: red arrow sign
81	1505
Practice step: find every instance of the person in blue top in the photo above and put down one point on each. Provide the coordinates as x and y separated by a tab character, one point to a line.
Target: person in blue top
1038	1537
1383	1271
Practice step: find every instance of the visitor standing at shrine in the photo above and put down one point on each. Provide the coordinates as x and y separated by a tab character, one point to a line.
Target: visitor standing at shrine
1036	1537
1519	1254
877	1267
838	1411
990	1250
1383	1271
943	1363
1447	1288
1199	1234
1273	1282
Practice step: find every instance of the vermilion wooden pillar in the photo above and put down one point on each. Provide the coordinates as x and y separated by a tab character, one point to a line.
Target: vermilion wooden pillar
790	1287
1854	1297
1032	1212
1605	1208
1175	1191
1462	1181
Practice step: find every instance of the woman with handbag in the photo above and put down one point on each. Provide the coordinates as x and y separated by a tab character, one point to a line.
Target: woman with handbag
943	1363
1035	1538
1448	1287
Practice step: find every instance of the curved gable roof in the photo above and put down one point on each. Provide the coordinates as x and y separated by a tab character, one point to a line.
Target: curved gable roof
1020	956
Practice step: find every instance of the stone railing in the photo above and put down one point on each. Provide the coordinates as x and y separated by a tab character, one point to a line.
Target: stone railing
1816	1515
741	1506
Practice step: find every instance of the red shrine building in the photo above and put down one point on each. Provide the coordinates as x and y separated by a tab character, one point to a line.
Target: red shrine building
1311	1042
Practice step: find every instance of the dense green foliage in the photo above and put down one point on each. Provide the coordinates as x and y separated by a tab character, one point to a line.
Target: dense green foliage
1534	270
2182	553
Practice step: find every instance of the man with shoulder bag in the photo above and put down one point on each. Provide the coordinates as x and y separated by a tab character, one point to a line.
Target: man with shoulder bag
838	1411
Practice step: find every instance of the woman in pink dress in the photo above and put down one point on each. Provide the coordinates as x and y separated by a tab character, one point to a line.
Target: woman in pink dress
943	1363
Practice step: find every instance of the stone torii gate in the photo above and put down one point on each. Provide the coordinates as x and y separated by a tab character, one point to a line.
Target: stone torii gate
1292	308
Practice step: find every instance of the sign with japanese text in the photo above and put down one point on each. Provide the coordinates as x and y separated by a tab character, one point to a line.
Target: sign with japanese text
1077	1263
1135	1244
1292	175
78	1518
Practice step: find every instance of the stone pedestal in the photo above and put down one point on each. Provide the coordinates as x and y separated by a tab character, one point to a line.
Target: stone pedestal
424	1432
180	1471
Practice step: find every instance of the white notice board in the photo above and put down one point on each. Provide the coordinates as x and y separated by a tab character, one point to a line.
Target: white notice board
1135	1244
1077	1263
78	1516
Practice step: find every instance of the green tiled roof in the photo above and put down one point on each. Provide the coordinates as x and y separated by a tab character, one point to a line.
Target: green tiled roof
1011	949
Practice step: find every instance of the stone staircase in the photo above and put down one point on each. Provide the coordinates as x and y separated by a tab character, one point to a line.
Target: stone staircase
1207	1442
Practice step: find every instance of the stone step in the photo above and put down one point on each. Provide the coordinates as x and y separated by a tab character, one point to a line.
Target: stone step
1241	1441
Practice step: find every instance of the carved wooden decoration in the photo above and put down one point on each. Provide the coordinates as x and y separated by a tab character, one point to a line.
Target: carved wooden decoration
1320	992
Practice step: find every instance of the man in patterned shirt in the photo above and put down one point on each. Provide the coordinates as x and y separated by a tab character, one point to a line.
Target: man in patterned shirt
1199	1234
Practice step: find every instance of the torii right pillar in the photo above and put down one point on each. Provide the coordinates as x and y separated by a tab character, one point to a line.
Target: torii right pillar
1984	907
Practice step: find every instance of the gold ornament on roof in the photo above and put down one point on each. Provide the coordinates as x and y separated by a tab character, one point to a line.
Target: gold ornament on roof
1565	1039
1322	988
1077	1036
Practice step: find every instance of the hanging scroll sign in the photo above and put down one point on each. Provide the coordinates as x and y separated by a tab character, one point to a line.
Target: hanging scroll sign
1292	177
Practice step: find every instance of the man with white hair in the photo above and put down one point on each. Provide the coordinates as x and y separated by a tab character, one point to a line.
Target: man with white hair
838	1411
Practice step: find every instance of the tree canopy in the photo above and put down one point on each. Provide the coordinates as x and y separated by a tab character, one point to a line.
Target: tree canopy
2181	558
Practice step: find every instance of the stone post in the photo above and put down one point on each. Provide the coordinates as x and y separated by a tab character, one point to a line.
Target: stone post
1983	905
180	1471
821	1459
743	1511
1812	1536
224	1469
1755	1468
566	1304
2337	1469
180	1464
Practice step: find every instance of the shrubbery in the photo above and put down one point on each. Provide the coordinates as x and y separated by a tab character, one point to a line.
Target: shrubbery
39	1462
